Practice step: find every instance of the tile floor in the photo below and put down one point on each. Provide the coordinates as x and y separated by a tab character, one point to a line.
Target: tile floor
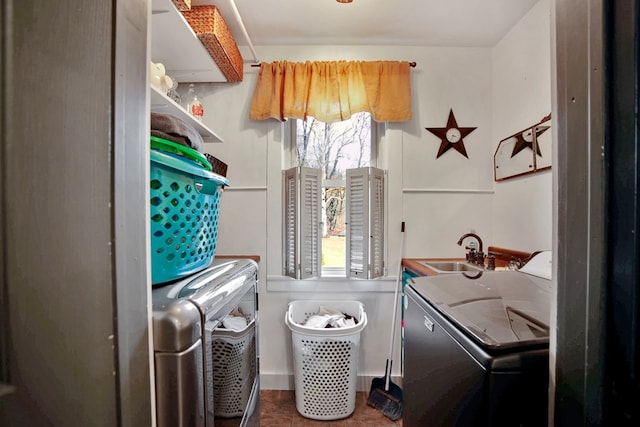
278	409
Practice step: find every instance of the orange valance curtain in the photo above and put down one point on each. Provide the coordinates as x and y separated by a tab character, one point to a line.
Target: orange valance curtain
332	90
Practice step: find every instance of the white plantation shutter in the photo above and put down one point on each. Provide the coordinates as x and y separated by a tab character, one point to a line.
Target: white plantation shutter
310	222
290	227
302	226
365	222
357	200
376	222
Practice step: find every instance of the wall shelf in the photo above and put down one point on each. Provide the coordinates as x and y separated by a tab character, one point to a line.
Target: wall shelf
176	45
163	104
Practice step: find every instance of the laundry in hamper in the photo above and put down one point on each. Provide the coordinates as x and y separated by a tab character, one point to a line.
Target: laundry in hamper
235	321
328	317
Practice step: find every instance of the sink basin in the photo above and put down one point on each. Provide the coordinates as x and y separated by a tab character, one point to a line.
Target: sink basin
441	267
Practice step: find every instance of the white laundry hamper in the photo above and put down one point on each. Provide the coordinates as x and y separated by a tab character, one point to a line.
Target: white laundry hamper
325	361
233	363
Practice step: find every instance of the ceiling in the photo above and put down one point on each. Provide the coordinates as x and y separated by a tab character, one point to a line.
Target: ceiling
450	23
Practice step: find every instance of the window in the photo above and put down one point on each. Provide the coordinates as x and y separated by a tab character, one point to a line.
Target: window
334	201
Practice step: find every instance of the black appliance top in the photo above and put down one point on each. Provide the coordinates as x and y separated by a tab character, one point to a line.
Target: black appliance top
500	309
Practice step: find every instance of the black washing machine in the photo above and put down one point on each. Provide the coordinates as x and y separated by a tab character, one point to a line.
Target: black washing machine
477	348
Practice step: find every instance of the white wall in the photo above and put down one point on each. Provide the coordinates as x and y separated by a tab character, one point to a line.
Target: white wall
439	199
521	98
446	197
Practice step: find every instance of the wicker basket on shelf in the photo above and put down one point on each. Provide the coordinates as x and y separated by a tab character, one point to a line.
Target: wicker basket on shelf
182	4
214	34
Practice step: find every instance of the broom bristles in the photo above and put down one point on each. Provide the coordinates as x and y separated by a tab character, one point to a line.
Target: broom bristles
390	406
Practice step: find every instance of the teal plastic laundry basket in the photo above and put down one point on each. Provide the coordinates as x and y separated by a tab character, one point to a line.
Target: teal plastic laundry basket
184	216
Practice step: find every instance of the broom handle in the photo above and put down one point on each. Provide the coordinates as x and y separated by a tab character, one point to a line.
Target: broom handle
395	309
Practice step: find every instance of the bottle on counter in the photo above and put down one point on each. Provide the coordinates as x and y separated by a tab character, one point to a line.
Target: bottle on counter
192	104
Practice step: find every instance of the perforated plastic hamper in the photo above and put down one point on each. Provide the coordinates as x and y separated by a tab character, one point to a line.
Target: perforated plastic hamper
184	216
234	359
325	360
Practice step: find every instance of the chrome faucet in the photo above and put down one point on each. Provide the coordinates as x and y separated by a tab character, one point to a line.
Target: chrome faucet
475	236
480	256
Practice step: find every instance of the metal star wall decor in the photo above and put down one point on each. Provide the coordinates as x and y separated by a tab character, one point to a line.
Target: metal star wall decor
451	136
525	140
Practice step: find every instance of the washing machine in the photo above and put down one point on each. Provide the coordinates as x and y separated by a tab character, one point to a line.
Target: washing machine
477	348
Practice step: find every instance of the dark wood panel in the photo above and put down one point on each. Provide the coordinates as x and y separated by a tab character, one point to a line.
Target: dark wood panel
622	357
504	255
579	178
59	214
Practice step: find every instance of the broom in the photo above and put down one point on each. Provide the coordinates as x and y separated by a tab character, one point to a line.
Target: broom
384	394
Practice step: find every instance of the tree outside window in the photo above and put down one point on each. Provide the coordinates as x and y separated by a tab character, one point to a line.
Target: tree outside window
333	148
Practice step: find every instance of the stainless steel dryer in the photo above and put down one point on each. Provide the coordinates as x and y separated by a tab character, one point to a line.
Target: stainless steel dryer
206	374
477	349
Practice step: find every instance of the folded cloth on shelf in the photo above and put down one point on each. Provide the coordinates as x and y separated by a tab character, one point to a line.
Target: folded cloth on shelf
176	130
328	317
177	139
